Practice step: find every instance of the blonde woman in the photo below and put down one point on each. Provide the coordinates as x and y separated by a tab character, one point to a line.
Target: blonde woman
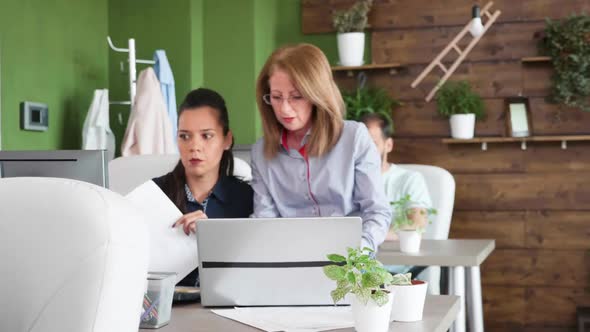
310	162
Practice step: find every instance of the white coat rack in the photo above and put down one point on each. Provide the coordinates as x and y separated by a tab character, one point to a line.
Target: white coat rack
133	61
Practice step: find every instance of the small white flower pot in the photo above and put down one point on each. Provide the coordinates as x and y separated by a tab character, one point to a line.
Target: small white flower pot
409	241
351	48
371	317
408	301
462	126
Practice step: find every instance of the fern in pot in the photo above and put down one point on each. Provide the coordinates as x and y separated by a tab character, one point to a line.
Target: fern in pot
365	278
365	100
409	221
457	101
350	25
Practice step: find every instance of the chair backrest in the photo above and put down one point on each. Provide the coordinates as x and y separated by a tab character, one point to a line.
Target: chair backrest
441	186
126	173
74	257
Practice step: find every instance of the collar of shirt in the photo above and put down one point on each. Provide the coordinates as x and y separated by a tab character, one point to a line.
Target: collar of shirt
219	191
301	149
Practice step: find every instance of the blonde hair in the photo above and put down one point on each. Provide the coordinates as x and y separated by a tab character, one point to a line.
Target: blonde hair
311	74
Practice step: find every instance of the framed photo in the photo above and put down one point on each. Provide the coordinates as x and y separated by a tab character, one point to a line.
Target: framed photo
518	117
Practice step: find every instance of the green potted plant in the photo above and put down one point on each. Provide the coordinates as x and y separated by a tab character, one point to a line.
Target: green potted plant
409	221
361	275
365	100
457	101
567	42
408	299
350	25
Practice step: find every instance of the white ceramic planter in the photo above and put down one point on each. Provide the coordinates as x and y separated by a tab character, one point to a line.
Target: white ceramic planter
462	126
409	241
408	301
371	317
351	48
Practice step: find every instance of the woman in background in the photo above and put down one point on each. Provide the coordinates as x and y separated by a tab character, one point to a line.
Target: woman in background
310	161
202	184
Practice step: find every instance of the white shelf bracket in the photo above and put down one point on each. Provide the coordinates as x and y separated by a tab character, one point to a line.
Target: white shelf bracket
523	145
484	146
564	145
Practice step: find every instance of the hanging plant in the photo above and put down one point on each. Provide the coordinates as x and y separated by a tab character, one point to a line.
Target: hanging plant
567	42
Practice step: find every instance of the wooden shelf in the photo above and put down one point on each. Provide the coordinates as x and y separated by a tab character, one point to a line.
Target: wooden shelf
536	59
522	140
393	68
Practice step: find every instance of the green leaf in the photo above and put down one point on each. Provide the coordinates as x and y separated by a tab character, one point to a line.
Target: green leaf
363	295
364	259
336	258
339	293
335	272
402	279
380	297
386	277
351	277
371	280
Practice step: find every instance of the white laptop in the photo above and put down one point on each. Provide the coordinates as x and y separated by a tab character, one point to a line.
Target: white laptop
271	262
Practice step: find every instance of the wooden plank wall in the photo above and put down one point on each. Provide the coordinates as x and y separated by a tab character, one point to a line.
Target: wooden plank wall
535	203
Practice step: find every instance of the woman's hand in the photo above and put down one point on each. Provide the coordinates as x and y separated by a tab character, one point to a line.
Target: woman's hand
391	235
189	221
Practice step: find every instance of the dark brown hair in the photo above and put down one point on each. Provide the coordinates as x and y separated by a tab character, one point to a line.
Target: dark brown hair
174	181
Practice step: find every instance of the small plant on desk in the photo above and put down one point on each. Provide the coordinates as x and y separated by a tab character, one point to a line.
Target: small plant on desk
409	221
363	276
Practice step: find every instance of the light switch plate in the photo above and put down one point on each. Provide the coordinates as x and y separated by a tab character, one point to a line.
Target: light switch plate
34	116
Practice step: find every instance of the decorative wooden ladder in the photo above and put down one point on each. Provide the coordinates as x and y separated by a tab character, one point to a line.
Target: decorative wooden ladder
491	18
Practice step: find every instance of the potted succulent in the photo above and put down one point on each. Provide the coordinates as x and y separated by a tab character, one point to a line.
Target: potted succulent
408	298
366	279
457	101
409	222
350	25
365	100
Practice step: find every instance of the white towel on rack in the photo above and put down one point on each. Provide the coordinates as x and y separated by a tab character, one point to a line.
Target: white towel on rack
96	133
149	130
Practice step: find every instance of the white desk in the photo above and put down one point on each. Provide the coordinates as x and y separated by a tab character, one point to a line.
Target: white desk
463	257
439	313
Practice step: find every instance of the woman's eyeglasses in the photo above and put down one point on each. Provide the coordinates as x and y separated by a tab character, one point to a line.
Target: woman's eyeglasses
278	100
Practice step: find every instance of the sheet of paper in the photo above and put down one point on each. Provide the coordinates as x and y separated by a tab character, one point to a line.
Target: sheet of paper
292	319
171	250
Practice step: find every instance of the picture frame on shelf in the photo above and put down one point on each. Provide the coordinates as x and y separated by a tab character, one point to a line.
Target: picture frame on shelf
518	117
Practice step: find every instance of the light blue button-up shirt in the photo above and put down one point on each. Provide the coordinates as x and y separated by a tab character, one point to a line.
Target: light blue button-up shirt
164	73
346	181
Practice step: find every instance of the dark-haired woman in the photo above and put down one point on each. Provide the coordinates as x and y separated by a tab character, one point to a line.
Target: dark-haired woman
202	184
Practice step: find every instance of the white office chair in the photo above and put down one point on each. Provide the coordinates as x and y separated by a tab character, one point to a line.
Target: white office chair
74	257
441	186
127	173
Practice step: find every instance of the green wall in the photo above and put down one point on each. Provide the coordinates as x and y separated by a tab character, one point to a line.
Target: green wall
52	52
239	35
229	57
56	52
154	24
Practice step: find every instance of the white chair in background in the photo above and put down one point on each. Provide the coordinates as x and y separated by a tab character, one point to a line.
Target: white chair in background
127	173
74	257
441	186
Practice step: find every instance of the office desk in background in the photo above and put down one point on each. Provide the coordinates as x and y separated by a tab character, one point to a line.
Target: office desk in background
463	257
439	313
